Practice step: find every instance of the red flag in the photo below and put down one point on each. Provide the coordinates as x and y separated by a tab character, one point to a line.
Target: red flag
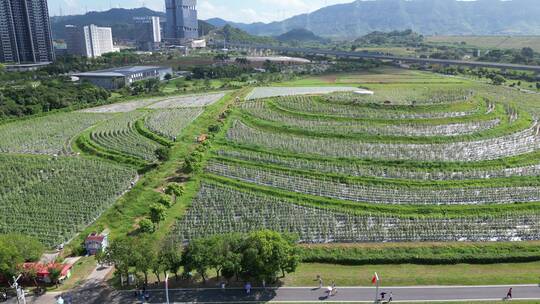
375	279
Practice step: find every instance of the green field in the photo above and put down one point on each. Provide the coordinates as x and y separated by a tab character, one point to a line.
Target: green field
491	42
417	275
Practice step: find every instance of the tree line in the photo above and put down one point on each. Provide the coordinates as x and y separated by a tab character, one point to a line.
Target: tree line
15	250
38	97
261	256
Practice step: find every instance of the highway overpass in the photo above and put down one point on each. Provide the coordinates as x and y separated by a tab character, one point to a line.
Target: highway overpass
371	55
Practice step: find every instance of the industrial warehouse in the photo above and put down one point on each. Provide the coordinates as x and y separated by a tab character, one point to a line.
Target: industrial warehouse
117	78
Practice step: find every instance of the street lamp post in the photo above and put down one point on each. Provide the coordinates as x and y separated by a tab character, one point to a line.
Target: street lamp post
167	287
21	299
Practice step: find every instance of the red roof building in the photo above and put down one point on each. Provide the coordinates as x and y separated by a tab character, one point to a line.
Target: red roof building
95	242
42	270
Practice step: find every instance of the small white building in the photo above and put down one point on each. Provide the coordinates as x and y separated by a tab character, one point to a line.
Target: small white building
364	92
95	242
198	44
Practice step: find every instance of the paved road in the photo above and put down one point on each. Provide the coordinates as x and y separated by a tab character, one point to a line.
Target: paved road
102	294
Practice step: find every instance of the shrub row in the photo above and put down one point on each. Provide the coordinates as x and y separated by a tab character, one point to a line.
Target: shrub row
429	254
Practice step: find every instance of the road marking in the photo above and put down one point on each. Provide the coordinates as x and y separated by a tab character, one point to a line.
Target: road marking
350	287
337	301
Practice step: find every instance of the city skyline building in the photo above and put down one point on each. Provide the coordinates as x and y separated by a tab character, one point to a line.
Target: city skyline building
182	21
25	32
148	31
89	41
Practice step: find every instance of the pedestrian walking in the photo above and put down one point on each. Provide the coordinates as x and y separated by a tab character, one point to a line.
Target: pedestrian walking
509	294
146	296
248	288
334	289
329	290
320	283
390	297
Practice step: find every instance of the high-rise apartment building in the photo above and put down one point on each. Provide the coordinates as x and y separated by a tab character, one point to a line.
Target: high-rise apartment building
25	33
89	41
148	31
182	22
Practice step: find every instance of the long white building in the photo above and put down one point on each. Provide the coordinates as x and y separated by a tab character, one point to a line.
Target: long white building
89	41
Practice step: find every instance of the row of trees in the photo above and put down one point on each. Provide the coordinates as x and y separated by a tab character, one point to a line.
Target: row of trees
38	97
16	249
261	256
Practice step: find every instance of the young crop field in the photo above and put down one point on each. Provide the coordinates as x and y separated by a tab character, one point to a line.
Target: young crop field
415	162
46	135
190	101
284	91
52	198
123	107
170	122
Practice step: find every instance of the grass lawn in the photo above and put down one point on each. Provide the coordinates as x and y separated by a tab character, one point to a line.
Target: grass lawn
383	75
81	270
490	42
410	275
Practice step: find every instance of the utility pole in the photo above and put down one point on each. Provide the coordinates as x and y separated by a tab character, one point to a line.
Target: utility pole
21	299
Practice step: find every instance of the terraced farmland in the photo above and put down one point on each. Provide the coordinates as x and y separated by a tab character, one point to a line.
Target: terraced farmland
119	134
50	192
427	163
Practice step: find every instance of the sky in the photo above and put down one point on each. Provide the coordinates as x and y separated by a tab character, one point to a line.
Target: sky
233	10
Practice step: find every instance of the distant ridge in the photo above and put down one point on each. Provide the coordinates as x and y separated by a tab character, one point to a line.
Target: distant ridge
121	21
427	17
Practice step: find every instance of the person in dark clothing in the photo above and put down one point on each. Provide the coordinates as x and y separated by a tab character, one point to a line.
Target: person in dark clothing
509	294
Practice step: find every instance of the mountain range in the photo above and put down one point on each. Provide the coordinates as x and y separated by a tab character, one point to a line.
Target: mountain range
119	19
428	17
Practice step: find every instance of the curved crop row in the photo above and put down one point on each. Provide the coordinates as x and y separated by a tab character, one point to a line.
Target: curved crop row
515	144
402	96
261	110
377	194
351	168
309	104
119	134
220	209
